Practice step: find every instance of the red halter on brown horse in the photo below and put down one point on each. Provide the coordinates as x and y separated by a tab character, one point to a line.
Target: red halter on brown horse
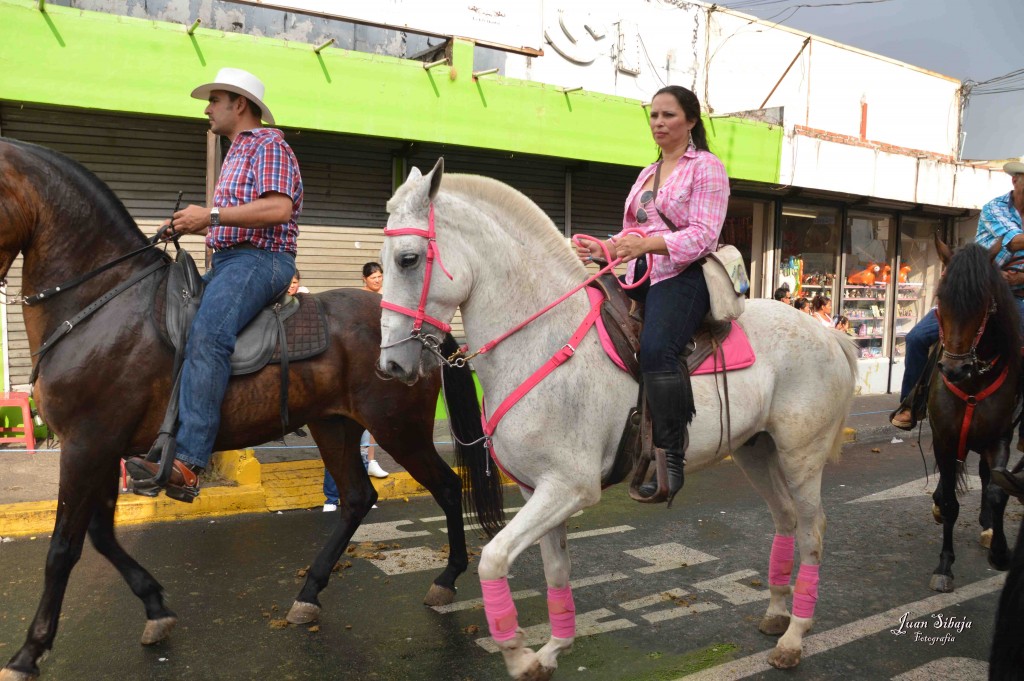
974	394
105	390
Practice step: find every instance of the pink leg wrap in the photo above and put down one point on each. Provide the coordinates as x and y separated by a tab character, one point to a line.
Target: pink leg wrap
562	612
780	563
502	617
805	596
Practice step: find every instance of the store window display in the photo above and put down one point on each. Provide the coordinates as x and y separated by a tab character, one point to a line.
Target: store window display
867	290
809	250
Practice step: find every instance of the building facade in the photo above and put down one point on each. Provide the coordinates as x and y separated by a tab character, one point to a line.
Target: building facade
843	163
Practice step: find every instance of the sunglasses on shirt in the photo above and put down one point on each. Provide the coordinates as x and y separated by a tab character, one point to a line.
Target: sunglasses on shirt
641	213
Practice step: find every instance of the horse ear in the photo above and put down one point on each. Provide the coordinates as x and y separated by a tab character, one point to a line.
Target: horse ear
435	177
944	253
414	174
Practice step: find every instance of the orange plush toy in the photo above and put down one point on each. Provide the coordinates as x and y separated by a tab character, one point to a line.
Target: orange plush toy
865	277
904	272
884	277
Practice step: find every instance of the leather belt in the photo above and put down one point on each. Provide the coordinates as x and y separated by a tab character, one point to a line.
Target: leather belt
241	245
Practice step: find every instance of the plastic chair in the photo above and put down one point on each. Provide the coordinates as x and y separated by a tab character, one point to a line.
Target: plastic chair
26	431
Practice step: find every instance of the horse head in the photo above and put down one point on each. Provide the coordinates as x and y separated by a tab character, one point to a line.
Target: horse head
978	317
420	295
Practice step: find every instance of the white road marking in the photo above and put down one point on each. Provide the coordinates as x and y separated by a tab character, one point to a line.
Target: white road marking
737	594
597	533
679	611
465	516
532	593
385	531
587	624
917	488
653	599
403	561
669	556
848	633
948	669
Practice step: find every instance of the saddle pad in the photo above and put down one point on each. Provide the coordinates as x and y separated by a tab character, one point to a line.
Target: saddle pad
736	350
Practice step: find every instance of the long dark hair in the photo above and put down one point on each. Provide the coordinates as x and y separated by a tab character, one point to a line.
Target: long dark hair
690	105
371	268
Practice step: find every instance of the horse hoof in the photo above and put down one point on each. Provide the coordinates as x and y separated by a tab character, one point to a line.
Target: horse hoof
781	658
937	514
775	625
303	613
12	675
439	595
1001	563
986	539
941	583
158	630
536	672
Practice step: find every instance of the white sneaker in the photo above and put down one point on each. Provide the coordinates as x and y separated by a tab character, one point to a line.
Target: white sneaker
375	470
329	508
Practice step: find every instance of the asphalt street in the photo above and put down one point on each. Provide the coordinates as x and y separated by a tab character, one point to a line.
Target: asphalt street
659	594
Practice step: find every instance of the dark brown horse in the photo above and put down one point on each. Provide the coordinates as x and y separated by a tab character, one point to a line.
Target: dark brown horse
104	390
974	394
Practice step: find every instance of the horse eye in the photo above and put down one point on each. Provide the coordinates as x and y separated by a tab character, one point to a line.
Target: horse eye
408	260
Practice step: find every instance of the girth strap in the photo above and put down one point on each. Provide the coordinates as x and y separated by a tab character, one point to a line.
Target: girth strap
971	401
70	324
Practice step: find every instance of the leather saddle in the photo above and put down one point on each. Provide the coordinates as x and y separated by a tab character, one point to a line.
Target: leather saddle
300	320
623	321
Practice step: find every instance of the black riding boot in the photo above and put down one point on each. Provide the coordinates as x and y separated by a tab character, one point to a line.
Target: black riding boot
670	399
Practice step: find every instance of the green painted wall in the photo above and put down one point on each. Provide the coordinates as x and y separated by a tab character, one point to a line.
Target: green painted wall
92	60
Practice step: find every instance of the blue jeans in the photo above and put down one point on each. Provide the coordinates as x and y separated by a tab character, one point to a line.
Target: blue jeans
241	283
330	487
919	340
673	309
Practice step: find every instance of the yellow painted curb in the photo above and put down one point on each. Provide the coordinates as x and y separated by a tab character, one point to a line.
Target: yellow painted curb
849	435
252	488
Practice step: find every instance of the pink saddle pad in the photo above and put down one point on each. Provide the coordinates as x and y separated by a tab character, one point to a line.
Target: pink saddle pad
736	350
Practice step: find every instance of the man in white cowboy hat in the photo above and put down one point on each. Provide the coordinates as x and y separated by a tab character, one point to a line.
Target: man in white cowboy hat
1000	221
252	230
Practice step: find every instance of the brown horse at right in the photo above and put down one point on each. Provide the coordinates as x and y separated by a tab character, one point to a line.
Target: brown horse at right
104	390
974	395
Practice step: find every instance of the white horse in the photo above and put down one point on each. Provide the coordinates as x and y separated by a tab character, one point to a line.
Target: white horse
500	259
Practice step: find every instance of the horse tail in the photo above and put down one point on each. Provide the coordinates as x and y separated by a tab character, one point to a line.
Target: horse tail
849	349
482	492
1006	661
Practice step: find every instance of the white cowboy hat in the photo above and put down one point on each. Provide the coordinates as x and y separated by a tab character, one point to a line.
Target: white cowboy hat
240	82
1014	167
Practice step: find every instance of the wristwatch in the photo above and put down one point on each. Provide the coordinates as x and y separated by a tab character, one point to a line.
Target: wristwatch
215	216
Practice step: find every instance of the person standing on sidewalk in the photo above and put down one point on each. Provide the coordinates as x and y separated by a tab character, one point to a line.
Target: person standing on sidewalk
252	229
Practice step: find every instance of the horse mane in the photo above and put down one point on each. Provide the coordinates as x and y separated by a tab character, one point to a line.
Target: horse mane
520	213
64	172
970	278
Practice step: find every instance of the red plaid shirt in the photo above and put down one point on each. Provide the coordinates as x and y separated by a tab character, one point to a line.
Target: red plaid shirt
694	197
259	161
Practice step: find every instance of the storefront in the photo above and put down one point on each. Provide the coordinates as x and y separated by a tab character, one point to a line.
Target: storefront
879	268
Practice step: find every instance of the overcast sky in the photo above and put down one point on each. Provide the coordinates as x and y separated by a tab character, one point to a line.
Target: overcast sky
966	39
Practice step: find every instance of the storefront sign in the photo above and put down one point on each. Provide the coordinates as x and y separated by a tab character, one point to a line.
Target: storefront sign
512	26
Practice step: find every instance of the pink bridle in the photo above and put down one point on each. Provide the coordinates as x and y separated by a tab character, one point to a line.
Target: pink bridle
420	315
